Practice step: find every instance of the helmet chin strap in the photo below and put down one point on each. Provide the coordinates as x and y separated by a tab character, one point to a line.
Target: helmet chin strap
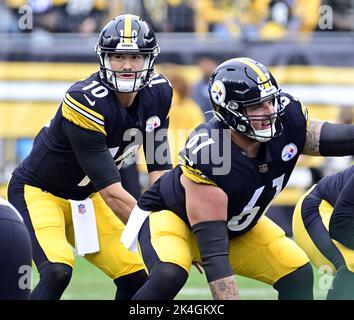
262	135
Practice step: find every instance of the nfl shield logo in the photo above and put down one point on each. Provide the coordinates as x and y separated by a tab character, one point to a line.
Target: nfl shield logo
82	208
263	168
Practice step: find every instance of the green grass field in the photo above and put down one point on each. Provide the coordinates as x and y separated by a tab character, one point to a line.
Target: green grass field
89	283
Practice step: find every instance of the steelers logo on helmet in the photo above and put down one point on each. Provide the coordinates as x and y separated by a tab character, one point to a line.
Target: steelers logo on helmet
218	92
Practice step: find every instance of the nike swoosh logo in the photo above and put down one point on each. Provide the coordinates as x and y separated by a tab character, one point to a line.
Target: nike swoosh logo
92	103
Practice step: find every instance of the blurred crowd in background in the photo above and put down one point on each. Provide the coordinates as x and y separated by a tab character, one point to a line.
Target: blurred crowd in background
250	19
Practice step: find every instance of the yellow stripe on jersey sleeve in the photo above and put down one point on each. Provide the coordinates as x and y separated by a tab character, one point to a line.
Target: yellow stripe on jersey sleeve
306	114
196	175
83	107
81	120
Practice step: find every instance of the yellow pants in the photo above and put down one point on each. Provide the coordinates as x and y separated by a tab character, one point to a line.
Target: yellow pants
52	224
263	253
314	238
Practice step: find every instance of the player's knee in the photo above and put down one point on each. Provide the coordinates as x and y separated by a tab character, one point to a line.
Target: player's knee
164	282
341	229
54	278
170	273
129	284
297	284
56	274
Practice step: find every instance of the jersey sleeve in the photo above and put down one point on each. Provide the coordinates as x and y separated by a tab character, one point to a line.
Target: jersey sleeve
295	121
196	159
305	112
83	110
330	187
158	143
163	94
297	109
161	158
93	155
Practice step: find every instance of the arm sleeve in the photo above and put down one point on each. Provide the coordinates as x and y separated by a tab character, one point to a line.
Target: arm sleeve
336	140
214	245
196	159
157	149
92	153
84	111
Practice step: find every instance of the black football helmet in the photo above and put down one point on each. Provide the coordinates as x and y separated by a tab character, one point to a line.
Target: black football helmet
131	35
241	82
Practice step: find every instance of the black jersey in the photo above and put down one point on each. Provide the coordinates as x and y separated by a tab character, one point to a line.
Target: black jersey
329	188
250	183
89	127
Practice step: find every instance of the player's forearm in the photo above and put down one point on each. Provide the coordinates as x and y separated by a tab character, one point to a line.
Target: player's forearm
213	243
224	289
119	200
122	208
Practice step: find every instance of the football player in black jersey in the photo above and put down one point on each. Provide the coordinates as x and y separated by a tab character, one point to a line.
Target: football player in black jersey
211	207
100	124
323	226
16	255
